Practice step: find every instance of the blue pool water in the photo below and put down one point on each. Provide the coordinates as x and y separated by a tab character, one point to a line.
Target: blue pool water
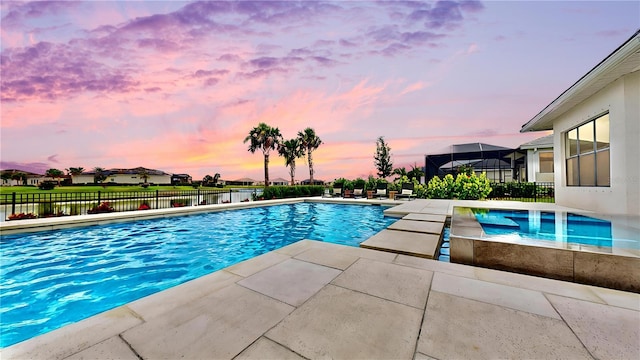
551	226
50	279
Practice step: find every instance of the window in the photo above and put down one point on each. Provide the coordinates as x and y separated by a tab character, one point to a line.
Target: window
587	152
546	161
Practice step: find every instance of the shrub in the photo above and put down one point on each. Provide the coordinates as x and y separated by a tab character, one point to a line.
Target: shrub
144	206
47	185
105	207
280	192
22	216
372	183
464	187
180	202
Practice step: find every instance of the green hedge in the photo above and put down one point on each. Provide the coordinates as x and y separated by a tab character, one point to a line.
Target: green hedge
281	192
463	187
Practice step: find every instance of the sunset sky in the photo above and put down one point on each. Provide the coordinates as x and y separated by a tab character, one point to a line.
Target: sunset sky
176	86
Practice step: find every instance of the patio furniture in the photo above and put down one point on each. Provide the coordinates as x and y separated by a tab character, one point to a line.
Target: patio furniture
358	191
381	190
337	190
406	192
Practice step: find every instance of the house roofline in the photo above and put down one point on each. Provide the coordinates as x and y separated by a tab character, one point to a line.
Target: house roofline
542	121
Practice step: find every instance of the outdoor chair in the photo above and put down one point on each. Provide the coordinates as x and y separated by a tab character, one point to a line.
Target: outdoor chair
406	192
381	190
337	190
358	192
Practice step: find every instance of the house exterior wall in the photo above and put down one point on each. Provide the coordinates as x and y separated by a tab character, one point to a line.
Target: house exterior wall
533	166
123	179
82	179
137	179
621	99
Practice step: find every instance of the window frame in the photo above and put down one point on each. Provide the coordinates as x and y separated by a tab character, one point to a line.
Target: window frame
594	151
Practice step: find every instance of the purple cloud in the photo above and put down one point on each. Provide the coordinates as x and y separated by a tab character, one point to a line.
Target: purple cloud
230	58
211	82
206	73
51	71
325	61
53	158
347	43
264	62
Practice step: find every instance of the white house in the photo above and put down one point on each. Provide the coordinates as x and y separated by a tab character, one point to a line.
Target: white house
126	176
596	135
539	159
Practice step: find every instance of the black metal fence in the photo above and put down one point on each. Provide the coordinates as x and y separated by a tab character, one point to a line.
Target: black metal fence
38	205
523	191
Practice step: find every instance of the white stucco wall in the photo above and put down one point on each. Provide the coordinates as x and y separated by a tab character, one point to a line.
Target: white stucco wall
621	99
533	166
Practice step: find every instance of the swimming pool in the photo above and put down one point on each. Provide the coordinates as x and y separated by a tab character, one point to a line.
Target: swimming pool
594	249
560	227
53	278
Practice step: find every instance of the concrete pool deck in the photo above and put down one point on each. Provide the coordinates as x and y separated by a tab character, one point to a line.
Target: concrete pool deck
319	300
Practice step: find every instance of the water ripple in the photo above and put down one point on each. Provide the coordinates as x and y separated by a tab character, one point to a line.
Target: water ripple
50	279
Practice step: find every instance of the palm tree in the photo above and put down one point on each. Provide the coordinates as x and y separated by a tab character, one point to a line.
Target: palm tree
265	138
19	176
216	178
5	175
75	171
291	150
144	175
206	180
416	172
55	174
310	141
400	172
99	175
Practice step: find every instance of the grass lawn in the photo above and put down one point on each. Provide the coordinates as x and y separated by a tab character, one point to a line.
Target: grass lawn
109	188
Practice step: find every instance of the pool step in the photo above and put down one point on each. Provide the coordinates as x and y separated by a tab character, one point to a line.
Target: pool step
416	234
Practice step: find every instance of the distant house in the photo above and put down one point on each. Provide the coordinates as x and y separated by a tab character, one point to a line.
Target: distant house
315	182
241	181
279	181
31	178
126	177
596	132
539	159
177	179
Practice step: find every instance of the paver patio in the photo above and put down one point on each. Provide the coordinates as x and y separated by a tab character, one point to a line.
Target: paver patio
355	303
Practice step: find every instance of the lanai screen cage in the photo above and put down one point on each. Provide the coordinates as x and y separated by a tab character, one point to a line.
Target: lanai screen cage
501	164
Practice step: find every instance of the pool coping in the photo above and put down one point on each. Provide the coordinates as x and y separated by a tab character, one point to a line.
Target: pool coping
408	308
63	222
577	263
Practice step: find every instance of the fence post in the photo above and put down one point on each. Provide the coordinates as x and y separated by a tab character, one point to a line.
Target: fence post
157	199
230	191
13	203
198	198
535	192
99	196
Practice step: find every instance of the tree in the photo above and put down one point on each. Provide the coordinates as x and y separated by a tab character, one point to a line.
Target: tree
144	175
400	172
382	158
265	138
216	178
100	175
19	176
415	172
291	150
6	176
206	180
310	142
55	174
75	171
